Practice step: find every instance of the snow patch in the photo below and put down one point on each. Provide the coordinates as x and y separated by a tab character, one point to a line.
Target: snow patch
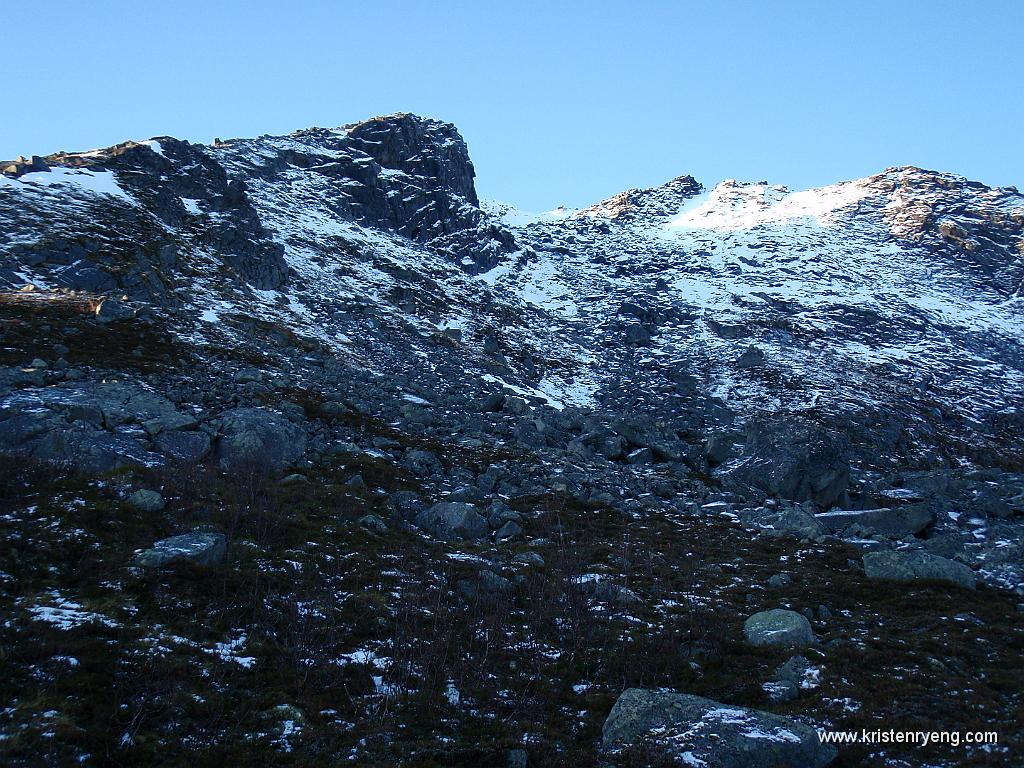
82	179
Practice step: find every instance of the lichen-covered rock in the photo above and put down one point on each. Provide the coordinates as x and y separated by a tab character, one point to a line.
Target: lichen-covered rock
197	547
917	566
778	627
258	437
146	500
699	731
453	520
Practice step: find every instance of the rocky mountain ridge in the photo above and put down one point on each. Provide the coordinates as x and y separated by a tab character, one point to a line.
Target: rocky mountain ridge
332	320
878	319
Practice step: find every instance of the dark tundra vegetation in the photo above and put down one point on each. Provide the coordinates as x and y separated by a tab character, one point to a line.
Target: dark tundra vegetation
310	457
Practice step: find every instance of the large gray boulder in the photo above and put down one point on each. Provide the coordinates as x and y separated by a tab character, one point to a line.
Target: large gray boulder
699	731
45	436
453	520
197	547
98	426
896	523
259	437
93	426
184	447
917	566
798	522
115	402
146	500
778	627
791	459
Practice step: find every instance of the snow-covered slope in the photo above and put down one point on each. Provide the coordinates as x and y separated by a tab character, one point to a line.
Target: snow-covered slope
892	303
901	290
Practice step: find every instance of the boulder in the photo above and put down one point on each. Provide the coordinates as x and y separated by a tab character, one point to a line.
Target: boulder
83	424
917	566
185	447
778	627
637	335
780	690
84	277
168	422
698	731
606	592
719	447
533	559
44	436
107	403
453	520
374	523
510	530
896	523
752	358
798	671
792	459
517	406
491	403
947	545
197	547
259	437
146	500
486	586
798	522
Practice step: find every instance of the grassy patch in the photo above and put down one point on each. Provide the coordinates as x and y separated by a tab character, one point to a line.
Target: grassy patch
27	318
318	640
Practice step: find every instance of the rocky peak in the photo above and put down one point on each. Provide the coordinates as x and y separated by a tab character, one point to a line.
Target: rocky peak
652	203
402	173
958	220
420	147
137	216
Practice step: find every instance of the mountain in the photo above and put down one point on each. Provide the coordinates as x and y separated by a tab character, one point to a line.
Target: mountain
319	346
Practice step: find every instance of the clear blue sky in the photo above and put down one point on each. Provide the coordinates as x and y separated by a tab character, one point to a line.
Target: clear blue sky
560	102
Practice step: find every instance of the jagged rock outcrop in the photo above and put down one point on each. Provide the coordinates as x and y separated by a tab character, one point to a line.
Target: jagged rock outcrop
96	426
402	173
792	460
659	202
135	217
